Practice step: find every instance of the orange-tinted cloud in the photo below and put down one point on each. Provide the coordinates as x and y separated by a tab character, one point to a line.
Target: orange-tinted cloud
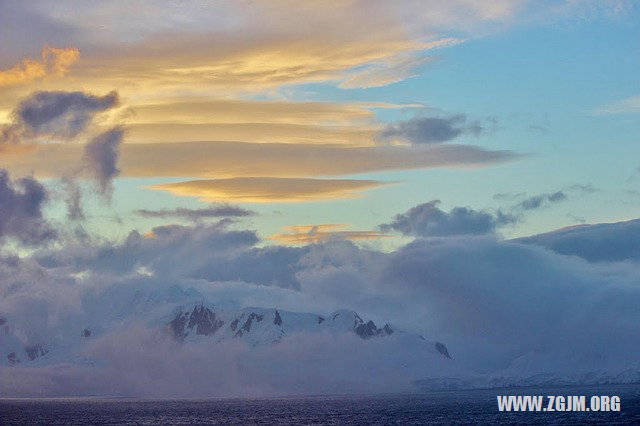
269	189
242	159
55	62
310	234
255	132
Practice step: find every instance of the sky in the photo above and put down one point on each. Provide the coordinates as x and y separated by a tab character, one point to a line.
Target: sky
440	163
536	98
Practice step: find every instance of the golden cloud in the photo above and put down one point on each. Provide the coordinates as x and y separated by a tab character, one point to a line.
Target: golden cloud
310	234
255	132
54	62
269	189
228	111
245	159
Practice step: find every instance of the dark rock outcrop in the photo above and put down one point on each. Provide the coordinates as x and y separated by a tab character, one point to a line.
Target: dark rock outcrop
202	319
234	324
86	332
247	324
443	350
35	351
13	358
366	330
369	329
277	320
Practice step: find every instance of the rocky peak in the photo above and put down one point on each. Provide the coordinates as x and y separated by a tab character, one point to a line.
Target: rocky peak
35	351
201	318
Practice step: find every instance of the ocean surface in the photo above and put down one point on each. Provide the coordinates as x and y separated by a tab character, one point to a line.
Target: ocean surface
448	407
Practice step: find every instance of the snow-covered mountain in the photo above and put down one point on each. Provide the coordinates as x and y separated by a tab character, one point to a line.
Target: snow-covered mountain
186	323
122	331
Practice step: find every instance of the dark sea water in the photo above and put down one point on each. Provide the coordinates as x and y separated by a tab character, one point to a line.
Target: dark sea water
448	407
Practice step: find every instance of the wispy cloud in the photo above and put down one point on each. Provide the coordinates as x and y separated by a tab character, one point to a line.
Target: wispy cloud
213	211
629	105
311	234
54	62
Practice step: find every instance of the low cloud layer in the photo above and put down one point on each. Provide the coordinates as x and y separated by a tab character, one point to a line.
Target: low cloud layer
508	309
603	242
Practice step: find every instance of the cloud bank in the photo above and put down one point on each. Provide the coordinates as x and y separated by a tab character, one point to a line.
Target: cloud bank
507	310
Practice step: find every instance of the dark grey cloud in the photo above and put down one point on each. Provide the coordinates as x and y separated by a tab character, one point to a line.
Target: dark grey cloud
207	252
603	242
58	115
21	205
507	196
430	130
538	201
428	220
72	198
213	211
542	200
101	158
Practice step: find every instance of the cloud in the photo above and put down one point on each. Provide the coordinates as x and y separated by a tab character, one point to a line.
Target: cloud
361	135
497	302
236	159
55	62
431	130
603	242
213	211
227	111
174	252
55	115
21	205
629	105
428	220
537	201
312	234
393	69
101	158
269	189
488	300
